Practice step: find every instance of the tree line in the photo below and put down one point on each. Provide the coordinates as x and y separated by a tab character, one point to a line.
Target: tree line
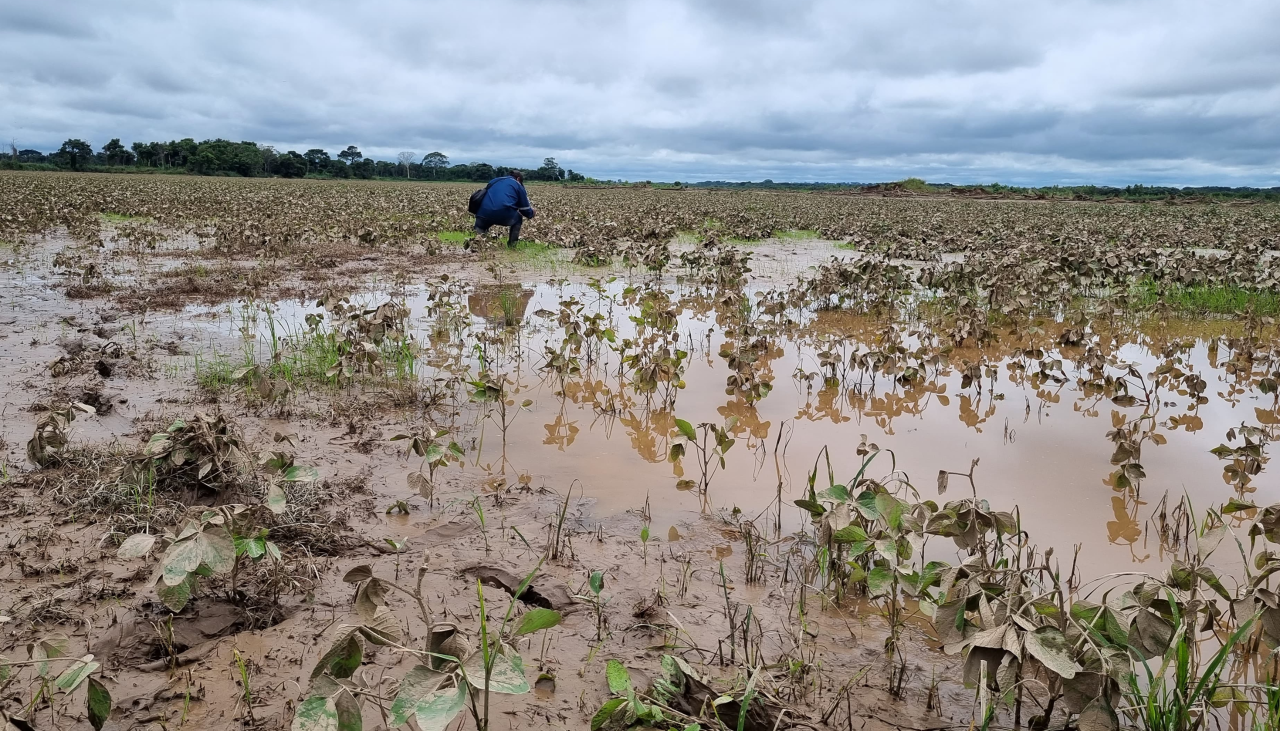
250	159
1138	192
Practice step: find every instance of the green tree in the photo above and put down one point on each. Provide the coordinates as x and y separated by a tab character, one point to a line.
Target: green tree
181	152
291	165
317	159
114	152
269	159
142	153
435	162
363	168
74	154
550	170
351	155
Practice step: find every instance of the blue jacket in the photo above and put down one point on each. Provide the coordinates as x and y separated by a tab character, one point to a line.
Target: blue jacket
505	201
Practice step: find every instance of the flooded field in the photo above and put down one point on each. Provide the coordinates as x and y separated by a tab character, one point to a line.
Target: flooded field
795	459
1046	438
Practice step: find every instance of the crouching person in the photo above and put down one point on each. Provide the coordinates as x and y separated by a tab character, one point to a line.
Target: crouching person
506	203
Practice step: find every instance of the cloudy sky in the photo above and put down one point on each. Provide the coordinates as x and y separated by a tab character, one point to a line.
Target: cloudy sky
1114	91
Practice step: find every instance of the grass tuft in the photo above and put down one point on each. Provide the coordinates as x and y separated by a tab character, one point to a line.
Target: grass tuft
455	237
1210	299
528	250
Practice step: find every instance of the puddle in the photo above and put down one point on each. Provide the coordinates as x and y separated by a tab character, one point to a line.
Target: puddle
1045	439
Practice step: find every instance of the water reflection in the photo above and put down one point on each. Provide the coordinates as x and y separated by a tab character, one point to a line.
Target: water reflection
1083	429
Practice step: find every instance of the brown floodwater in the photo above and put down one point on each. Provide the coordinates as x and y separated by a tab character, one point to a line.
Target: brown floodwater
1042	447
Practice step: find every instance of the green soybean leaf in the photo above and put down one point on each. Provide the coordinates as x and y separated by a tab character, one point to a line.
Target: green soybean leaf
606	712
420	696
98	704
76	674
1236	506
866	504
217	550
849	534
342	660
1050	647
382	628
619	678
880	581
301	473
333	708
434	453
507	675
813	506
686	430
176	597
537	619
73	676
435	712
276	500
181	559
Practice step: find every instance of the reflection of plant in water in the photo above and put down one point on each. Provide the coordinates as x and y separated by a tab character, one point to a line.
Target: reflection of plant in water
1124	528
649	431
747	422
1246	460
872	368
561	432
827	408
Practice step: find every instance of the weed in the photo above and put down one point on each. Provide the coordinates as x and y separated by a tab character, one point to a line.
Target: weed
456	238
556	534
1215	299
595	582
478	509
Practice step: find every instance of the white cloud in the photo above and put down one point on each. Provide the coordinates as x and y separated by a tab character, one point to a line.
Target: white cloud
1111	92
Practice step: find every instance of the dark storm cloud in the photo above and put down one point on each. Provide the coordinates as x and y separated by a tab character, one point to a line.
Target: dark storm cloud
1032	92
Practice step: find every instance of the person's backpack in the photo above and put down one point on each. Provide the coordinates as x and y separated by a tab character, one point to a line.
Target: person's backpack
477	199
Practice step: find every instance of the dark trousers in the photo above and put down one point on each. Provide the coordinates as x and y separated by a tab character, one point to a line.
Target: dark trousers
513	228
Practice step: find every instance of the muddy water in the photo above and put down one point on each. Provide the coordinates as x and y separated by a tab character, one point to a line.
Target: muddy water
1044	449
